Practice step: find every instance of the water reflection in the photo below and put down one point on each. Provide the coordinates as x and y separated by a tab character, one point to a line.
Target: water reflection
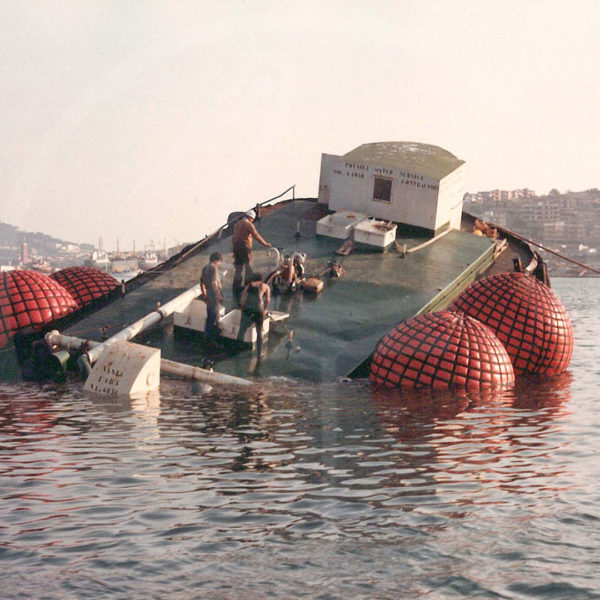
408	414
288	462
465	445
147	405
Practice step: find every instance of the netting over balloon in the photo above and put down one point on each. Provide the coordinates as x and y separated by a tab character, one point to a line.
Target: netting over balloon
528	318
86	284
30	299
441	350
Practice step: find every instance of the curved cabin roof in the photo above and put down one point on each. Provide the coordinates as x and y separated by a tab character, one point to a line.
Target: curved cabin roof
424	159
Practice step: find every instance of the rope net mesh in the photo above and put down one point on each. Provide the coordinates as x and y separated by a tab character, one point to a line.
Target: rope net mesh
528	318
30	299
441	350
86	284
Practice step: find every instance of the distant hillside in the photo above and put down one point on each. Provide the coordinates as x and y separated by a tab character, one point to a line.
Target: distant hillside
45	245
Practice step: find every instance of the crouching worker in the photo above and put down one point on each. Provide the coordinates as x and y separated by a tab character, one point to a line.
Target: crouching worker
211	287
254	304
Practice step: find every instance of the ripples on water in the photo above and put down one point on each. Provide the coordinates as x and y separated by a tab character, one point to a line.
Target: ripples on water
335	491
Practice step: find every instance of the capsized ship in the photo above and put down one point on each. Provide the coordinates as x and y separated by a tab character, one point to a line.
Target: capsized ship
386	239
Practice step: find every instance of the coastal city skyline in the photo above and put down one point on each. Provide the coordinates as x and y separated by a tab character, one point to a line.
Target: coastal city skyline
151	120
566	223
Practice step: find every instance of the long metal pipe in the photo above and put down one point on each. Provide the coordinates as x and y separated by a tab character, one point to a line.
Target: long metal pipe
67	342
205	375
145	322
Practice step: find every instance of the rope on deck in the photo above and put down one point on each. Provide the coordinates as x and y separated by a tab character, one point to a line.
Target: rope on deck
558	254
422	245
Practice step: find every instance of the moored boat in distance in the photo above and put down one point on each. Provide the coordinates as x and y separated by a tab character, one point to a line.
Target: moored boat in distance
149	259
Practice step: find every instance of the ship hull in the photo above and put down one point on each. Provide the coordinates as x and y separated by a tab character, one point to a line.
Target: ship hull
327	335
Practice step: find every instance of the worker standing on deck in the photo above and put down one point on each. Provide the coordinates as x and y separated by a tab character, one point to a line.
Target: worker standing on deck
243	234
211	287
254	304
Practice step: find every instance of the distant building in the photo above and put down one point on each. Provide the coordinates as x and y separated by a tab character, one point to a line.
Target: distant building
404	182
540	210
24	254
499	195
67	247
524	193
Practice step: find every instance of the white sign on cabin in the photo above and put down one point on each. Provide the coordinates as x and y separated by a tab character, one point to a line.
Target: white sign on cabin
403	182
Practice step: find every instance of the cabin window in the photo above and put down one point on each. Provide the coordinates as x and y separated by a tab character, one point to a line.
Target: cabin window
382	190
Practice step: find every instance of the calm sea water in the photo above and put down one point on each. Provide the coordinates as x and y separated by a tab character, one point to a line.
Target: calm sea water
303	491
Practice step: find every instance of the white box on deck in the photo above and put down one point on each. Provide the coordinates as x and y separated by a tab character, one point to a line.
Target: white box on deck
340	224
230	326
375	233
194	316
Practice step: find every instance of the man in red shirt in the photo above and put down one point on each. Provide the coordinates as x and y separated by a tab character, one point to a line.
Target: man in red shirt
243	234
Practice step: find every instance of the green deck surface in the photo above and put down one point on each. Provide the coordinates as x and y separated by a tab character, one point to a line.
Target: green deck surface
335	331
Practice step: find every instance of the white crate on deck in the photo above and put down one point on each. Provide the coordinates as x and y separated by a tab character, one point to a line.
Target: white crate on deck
194	316
230	326
340	224
375	233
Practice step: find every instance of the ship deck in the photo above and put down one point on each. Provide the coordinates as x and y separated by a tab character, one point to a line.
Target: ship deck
335	331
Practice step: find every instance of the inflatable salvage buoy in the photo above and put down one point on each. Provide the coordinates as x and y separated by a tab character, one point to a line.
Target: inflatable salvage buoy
441	350
528	318
30	299
86	284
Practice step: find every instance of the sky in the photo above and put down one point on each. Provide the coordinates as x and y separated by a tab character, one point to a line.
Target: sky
149	121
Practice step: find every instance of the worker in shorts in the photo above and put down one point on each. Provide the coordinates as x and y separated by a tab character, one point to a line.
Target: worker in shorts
254	304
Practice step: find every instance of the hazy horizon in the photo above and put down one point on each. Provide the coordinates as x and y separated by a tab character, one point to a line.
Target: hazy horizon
152	120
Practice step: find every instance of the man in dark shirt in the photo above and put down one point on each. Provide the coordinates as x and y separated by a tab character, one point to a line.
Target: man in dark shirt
243	234
211	287
254	303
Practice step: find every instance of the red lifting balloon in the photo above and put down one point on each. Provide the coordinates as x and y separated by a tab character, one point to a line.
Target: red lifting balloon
528	318
29	299
86	284
441	350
